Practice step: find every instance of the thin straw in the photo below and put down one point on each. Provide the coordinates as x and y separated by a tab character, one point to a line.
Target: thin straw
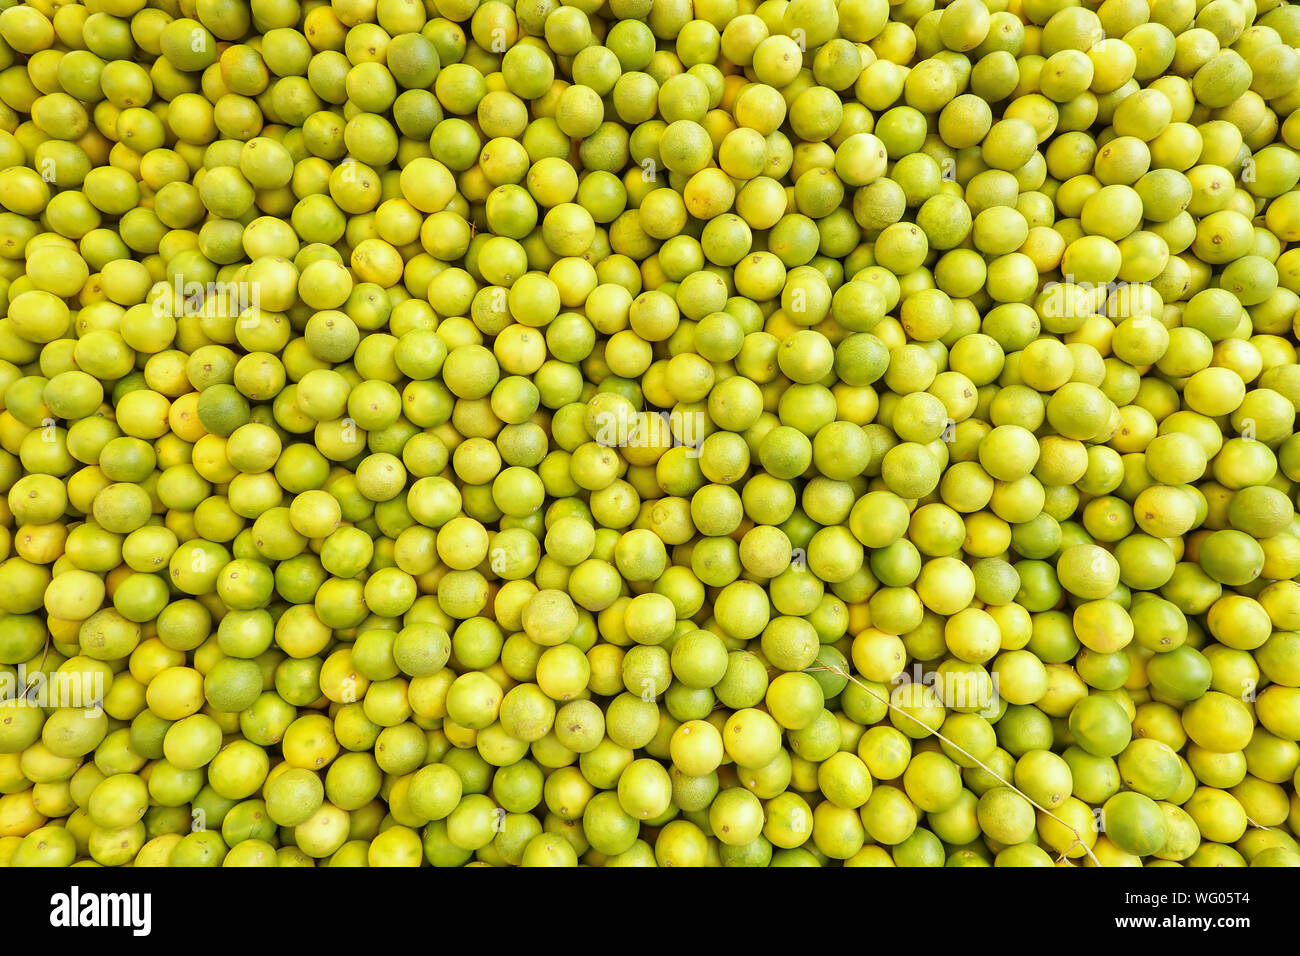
1078	838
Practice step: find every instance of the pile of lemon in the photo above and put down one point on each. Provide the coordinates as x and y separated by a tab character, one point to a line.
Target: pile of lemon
649	432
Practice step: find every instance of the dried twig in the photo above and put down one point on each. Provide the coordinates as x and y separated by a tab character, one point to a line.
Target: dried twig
1078	837
31	685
